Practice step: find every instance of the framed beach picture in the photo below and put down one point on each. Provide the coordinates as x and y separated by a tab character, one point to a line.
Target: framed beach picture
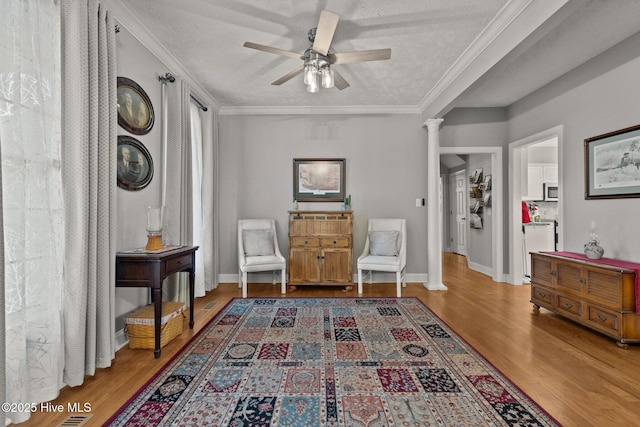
135	111
319	180
612	164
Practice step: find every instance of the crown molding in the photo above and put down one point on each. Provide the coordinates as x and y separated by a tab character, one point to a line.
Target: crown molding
128	20
306	110
515	22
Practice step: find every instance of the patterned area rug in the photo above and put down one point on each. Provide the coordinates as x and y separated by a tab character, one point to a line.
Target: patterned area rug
329	362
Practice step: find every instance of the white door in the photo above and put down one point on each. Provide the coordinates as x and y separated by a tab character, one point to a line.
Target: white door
459	214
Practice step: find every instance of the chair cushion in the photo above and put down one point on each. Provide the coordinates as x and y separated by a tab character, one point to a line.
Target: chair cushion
383	243
258	242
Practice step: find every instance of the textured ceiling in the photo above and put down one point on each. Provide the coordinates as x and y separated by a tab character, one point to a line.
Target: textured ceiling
427	37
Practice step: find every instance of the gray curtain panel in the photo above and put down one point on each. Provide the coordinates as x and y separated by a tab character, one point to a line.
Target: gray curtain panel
89	136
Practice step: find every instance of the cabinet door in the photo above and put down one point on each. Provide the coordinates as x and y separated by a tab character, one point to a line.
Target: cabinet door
336	266
569	278
542	270
535	179
304	265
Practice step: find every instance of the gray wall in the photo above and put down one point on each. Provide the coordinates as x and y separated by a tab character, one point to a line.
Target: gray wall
479	246
137	63
385	172
599	97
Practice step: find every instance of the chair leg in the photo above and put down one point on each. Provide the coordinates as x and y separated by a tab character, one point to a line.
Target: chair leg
283	287
244	284
359	281
239	278
370	277
398	284
273	277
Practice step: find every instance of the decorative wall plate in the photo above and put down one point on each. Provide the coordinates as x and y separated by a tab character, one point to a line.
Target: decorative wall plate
135	111
135	165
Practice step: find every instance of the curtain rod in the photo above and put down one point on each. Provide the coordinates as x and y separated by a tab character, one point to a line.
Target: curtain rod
200	104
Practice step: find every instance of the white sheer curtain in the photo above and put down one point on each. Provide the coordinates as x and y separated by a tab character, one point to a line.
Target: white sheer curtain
89	132
32	206
196	195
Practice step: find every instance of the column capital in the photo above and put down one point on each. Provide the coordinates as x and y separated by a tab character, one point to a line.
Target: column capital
433	124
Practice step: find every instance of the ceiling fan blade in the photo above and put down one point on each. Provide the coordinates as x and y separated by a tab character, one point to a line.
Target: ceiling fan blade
291	74
338	80
324	32
275	50
360	56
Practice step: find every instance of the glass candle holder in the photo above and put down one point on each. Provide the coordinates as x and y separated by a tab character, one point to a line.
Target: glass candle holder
155	224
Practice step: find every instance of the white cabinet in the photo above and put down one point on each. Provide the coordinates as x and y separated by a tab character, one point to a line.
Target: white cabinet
538	174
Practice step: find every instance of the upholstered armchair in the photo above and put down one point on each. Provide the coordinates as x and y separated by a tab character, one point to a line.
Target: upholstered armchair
258	251
385	250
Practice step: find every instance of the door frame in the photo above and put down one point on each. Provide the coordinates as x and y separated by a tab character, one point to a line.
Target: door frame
497	239
516	267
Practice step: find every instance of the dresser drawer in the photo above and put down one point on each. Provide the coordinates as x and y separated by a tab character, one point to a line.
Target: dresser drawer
312	242
334	242
178	264
541	296
605	320
569	306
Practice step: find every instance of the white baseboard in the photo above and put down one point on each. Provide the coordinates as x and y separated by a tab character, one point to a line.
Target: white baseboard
121	339
480	268
378	277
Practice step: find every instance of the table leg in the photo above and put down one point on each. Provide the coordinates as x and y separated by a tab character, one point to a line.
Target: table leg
157	317
192	291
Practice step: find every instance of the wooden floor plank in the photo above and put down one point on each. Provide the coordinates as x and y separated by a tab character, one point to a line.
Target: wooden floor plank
580	377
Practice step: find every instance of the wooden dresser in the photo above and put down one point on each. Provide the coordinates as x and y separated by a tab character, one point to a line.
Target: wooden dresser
321	248
596	295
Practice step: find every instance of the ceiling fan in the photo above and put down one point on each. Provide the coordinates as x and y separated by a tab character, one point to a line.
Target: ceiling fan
318	61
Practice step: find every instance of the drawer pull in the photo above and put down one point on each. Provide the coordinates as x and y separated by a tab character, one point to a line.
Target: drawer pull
542	294
582	280
601	318
305	242
334	242
553	272
568	305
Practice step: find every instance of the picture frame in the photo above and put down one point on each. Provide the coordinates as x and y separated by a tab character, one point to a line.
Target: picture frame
319	180
135	111
612	165
135	165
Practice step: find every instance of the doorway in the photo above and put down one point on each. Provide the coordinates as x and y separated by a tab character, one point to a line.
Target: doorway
497	243
517	177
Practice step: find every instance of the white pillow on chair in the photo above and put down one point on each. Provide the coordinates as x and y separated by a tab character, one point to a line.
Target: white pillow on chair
383	243
258	242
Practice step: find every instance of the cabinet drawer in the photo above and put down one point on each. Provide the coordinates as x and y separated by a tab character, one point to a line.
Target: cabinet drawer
312	242
335	242
569	306
178	264
541	296
604	320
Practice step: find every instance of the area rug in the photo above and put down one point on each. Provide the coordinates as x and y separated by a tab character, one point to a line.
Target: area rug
329	362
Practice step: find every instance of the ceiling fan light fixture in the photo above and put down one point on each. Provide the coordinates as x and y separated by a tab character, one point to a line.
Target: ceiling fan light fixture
313	86
310	71
327	77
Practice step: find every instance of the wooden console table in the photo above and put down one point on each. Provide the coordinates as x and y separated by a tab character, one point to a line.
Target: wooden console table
140	269
599	294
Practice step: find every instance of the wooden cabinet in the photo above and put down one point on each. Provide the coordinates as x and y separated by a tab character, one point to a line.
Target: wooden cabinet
321	248
596	295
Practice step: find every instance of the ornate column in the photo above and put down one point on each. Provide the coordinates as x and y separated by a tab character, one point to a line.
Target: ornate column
434	243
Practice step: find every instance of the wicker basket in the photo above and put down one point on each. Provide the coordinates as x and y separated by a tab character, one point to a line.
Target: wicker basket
139	325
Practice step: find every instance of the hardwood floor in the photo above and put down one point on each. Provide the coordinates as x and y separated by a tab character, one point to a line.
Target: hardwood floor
578	376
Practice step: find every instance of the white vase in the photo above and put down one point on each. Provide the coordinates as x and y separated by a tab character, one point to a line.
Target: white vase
593	250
